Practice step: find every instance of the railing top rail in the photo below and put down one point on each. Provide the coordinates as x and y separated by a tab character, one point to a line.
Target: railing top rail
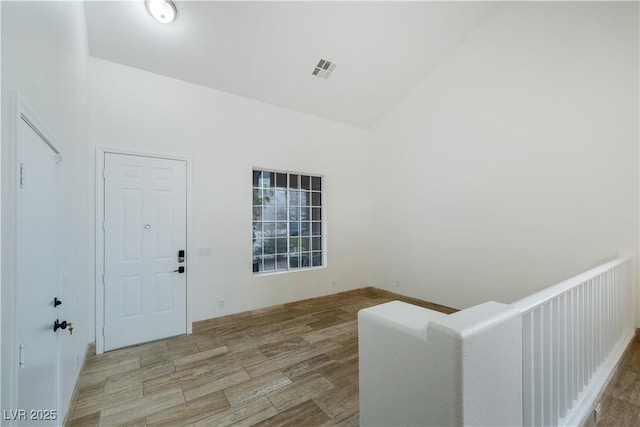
527	303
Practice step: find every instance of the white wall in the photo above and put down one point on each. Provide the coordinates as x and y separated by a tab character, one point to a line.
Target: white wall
226	136
514	164
45	59
1	208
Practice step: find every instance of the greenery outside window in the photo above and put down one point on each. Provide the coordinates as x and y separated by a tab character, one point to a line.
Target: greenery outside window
287	221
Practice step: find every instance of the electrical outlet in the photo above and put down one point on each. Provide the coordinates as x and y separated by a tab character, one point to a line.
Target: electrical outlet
597	413
221	303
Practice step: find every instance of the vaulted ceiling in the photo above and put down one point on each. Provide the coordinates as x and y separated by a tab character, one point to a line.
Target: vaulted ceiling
268	50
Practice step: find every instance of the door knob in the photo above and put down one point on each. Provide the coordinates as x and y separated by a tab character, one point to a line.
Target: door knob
63	325
179	270
56	302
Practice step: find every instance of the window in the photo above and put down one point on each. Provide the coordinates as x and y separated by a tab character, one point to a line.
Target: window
287	221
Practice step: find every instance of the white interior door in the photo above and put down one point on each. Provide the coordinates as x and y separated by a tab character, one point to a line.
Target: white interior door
37	263
145	228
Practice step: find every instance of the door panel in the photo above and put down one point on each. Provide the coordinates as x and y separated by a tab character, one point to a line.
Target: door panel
145	227
131	220
164	219
37	254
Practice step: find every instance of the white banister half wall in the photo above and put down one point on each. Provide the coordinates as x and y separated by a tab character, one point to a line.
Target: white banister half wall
573	335
541	361
419	367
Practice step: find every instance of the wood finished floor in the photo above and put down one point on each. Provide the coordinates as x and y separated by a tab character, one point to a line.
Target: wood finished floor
621	398
291	365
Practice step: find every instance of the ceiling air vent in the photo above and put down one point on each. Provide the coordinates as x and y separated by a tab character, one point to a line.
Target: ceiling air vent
324	69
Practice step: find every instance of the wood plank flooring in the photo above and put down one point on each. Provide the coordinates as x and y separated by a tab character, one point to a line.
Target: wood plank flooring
621	398
290	365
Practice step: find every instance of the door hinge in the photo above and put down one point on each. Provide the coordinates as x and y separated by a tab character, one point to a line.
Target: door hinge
104	331
104	280
21	357
104	174
104	225
22	178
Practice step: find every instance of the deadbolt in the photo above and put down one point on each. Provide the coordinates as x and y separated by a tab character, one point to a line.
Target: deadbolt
63	325
181	255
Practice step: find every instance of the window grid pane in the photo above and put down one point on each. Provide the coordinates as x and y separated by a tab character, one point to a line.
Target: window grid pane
287	221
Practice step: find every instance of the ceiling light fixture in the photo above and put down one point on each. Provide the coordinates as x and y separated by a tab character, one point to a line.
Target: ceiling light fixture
162	10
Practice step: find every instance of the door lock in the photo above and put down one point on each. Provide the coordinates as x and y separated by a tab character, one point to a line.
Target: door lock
181	255
179	270
63	325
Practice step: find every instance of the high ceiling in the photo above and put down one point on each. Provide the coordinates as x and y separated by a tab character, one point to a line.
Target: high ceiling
268	50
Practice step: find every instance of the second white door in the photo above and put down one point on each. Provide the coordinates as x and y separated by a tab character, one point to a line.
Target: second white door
37	256
145	293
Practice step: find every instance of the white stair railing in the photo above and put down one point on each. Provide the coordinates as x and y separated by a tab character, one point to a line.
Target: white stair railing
540	361
573	334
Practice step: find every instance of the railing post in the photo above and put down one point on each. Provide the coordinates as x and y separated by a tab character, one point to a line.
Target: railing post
423	368
484	345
